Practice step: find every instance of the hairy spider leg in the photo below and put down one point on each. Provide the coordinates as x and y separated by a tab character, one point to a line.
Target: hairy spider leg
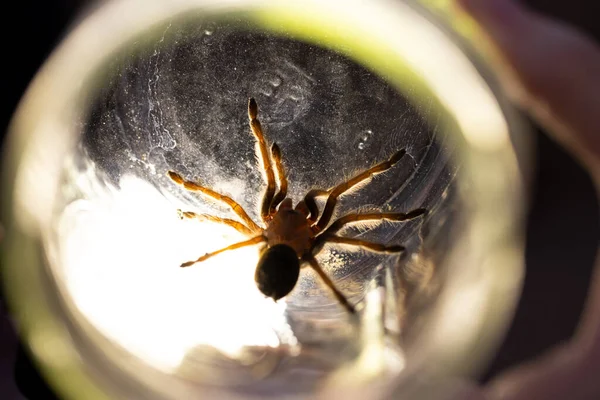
312	261
308	206
344	186
282	193
330	238
355	217
264	154
194	187
329	234
249	242
238	226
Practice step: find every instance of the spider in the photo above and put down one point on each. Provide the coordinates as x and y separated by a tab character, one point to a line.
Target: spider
292	235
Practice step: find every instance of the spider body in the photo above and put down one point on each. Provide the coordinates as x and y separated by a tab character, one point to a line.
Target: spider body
288	237
291	228
292	236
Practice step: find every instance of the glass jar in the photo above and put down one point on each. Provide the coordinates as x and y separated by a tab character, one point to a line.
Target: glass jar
142	87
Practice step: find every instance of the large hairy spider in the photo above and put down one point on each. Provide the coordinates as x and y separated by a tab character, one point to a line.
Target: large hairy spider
293	235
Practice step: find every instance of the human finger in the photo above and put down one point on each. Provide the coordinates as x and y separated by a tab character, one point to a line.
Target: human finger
551	69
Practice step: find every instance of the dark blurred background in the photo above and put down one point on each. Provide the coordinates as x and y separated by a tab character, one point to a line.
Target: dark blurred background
563	229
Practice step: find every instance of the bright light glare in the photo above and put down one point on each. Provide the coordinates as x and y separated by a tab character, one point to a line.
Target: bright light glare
375	356
121	252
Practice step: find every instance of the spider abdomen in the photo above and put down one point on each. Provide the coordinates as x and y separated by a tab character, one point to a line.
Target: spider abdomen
277	271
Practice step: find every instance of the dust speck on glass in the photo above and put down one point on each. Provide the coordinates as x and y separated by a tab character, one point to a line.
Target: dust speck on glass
182	106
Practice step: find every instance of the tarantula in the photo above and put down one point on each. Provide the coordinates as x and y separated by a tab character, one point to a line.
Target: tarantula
292	235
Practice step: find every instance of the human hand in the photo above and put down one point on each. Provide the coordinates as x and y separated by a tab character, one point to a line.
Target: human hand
553	72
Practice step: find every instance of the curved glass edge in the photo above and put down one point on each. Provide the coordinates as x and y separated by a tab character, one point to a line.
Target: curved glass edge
460	23
496	155
49	340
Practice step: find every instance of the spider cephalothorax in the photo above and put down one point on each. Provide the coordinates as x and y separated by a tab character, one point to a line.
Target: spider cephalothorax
292	235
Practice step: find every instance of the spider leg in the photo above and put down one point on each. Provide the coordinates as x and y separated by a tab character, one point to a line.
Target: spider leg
312	261
309	206
249	242
264	154
344	186
194	187
238	226
346	219
321	239
282	193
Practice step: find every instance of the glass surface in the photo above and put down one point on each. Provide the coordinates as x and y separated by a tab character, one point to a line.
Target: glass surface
172	94
182	106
